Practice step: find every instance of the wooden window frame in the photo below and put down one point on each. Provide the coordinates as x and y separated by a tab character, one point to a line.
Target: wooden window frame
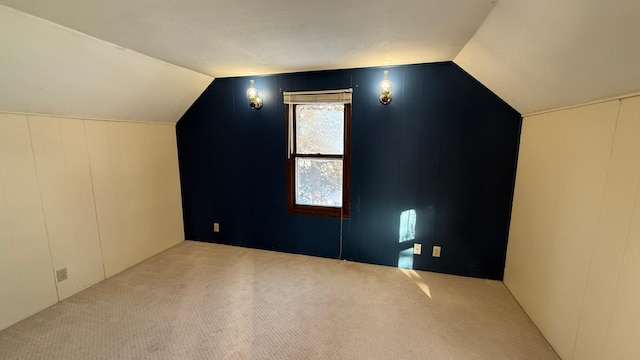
313	210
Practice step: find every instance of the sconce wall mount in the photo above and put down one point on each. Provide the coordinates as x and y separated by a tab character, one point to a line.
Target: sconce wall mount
255	101
385	88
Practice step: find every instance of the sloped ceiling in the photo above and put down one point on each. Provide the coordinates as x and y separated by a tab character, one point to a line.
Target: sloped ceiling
546	54
536	55
240	37
48	69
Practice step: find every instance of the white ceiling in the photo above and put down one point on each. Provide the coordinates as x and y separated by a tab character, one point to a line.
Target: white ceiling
545	54
536	55
224	38
49	69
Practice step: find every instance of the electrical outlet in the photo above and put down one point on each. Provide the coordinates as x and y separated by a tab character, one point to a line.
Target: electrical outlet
216	227
436	251
417	249
61	274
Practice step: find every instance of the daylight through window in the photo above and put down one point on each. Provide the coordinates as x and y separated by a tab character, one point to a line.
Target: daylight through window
318	160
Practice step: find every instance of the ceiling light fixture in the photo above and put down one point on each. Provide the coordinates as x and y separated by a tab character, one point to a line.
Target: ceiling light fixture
255	101
385	88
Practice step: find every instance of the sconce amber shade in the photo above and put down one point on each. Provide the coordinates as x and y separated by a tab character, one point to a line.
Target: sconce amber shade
255	101
385	88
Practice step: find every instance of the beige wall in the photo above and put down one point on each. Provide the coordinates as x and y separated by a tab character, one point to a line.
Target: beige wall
573	260
93	196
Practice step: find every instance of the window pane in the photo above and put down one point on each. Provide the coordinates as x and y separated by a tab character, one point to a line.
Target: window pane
320	129
319	182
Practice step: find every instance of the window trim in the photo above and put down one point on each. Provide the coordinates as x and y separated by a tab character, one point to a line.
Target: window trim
313	210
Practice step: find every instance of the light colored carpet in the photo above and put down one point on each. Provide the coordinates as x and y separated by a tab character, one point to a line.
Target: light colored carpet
208	301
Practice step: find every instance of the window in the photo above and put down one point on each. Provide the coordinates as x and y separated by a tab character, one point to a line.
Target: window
318	161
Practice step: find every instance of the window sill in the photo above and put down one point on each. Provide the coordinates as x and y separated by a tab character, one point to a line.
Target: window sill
322	211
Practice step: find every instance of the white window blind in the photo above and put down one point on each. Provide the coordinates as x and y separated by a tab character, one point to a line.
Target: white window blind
342	96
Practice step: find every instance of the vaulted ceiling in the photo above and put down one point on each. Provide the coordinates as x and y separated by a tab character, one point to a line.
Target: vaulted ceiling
545	54
239	37
149	59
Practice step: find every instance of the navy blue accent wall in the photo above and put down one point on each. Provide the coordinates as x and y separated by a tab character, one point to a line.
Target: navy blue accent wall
445	147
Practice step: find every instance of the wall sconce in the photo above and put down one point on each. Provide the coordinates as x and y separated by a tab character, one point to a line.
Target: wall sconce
385	88
255	101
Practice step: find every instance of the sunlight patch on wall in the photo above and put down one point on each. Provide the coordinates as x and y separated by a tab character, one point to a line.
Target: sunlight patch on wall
405	259
406	232
407	228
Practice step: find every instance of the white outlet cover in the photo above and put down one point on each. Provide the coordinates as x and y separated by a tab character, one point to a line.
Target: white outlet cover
417	249
436	251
